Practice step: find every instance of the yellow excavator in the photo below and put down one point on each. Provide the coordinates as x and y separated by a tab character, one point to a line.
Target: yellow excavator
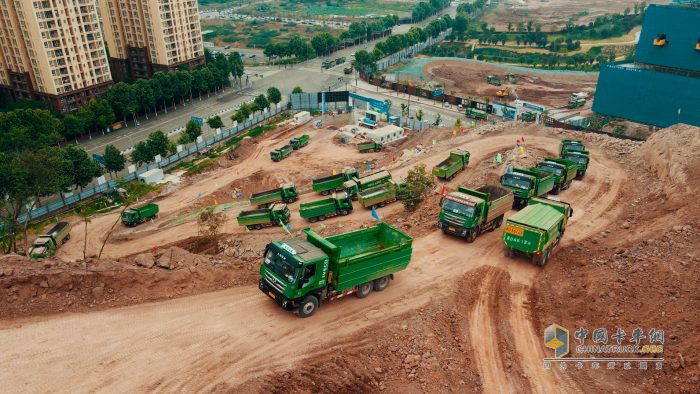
503	93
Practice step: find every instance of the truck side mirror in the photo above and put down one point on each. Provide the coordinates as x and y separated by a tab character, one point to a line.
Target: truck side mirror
571	212
442	201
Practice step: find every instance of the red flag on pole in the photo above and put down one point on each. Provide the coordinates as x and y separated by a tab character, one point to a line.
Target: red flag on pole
442	192
393	159
461	128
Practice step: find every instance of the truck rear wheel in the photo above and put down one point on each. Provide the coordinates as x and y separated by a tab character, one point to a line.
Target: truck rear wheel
381	283
382	204
322	218
308	306
250	227
325	193
313	219
499	222
556	190
258	227
365	289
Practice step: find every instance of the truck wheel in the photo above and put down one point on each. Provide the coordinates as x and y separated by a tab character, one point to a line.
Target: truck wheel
499	222
344	212
250	227
258	227
67	237
382	204
308	306
381	283
472	235
545	257
355	198
508	252
322	218
313	219
365	289
325	193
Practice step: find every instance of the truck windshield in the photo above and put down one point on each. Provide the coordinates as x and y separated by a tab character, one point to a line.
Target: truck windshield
515	182
278	263
577	159
128	215
459	209
551	168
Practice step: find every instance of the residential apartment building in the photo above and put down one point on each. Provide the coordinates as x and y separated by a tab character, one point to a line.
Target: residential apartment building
147	36
52	51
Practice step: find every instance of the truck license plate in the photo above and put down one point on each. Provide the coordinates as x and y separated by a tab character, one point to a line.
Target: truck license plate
451	229
514	231
271	295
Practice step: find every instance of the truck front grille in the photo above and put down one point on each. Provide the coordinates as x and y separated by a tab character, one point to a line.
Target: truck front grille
454	220
517	193
276	284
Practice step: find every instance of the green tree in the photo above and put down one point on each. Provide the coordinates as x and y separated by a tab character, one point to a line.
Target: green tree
208	78
262	102
74	125
274	95
114	160
157	92
521	27
419	115
438	119
192	131
166	87
144	95
529	26
182	84
419	184
297	90
29	129
141	154
487	99
270	51
158	144
85	168
199	82
123	98
215	122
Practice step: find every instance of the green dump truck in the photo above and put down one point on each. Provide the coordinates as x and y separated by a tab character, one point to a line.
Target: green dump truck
48	243
536	230
286	193
339	204
134	216
298	274
331	183
581	157
266	217
382	194
576	103
356	185
570	145
281	153
527	184
298	143
476	114
458	160
529	116
564	172
468	213
512	78
370	146
494	81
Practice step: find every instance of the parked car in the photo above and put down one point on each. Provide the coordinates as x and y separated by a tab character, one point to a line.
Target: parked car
227	47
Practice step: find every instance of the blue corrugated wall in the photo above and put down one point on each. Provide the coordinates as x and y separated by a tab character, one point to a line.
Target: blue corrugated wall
647	96
680	24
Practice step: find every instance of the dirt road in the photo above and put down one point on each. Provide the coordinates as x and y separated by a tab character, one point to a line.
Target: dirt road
225	338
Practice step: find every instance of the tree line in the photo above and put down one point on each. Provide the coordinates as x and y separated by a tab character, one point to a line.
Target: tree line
399	42
424	10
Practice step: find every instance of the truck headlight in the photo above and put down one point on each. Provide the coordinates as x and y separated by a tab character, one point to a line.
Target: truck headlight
284	304
439	224
464	233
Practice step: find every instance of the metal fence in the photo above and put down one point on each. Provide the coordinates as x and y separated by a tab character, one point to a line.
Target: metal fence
231	132
310	101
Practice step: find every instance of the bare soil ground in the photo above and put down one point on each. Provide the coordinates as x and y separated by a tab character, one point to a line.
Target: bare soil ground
461	318
470	79
556	11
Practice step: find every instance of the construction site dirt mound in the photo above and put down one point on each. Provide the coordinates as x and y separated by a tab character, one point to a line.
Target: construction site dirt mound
470	79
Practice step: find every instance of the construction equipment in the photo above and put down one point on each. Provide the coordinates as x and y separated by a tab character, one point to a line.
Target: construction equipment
458	160
576	103
564	172
286	193
298	274
494	81
570	145
382	194
281	153
512	78
266	217
476	114
529	116
580	157
298	143
48	243
527	184
468	213
579	96
347	70
536	230
503	93
132	217
339	204
331	183
369	146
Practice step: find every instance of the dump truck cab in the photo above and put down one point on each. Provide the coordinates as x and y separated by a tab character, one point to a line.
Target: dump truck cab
460	212
565	145
580	157
47	244
521	184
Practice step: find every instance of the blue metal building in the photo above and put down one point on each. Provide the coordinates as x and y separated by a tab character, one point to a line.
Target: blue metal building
662	85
